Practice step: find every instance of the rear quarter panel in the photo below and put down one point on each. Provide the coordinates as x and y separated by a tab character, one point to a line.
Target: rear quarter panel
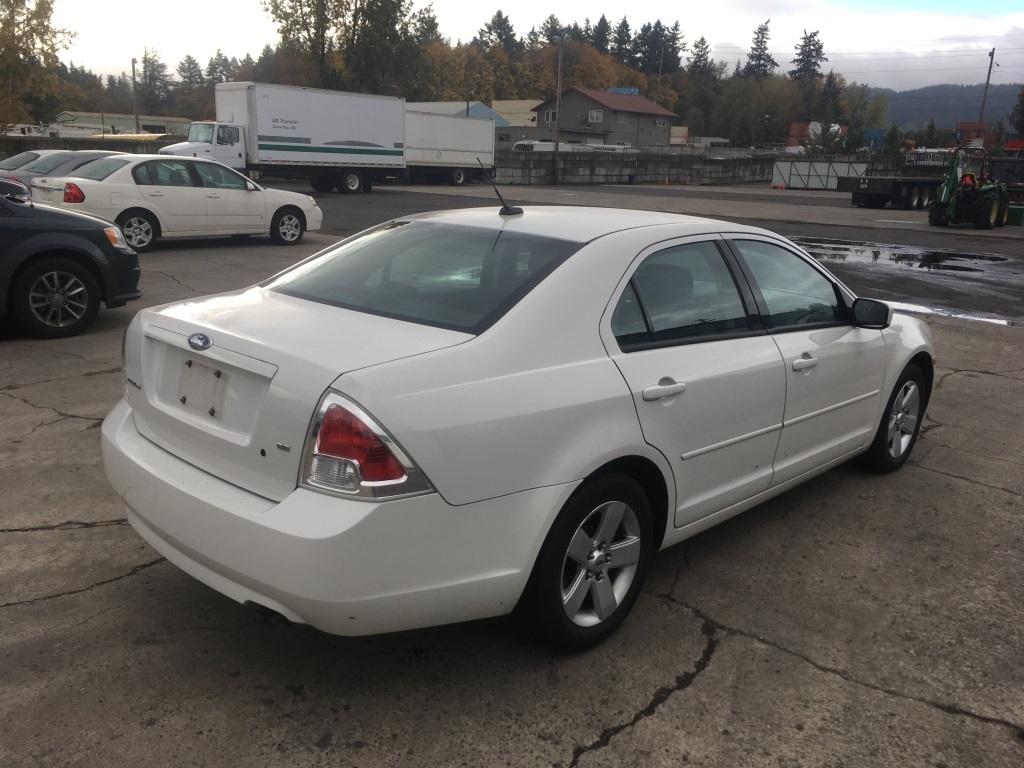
533	401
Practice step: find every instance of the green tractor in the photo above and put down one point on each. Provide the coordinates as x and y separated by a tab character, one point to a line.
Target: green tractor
966	197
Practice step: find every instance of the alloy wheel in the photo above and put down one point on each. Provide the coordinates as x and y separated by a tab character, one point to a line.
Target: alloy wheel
600	563
58	299
138	232
906	411
290	228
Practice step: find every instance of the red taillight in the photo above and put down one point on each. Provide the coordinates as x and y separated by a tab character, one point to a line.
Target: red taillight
73	193
343	436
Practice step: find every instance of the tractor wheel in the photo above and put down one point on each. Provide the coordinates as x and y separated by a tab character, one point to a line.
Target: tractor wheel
986	211
937	215
1004	213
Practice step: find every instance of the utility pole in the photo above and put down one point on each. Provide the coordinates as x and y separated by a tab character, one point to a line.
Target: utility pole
984	96
135	102
558	106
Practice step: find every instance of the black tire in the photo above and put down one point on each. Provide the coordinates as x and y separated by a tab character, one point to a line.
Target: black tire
288	226
350	182
915	199
56	276
140	228
985	213
323	184
459	176
1003	214
937	214
542	610
879	457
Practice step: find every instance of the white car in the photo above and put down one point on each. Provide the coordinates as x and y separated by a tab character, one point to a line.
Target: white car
155	196
454	414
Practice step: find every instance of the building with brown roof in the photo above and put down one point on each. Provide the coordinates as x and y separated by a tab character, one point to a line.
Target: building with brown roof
601	117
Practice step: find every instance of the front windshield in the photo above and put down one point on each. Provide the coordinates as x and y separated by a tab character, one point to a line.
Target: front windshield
18	160
458	277
201	132
48	163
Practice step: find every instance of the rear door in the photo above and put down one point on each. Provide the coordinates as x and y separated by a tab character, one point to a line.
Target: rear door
231	207
707	381
171	189
834	371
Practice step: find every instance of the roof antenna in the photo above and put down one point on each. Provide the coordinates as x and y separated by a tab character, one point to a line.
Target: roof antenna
506	209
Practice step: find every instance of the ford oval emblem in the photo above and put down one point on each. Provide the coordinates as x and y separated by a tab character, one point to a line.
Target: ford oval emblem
200	341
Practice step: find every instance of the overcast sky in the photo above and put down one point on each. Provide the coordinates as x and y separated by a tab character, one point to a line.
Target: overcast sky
920	43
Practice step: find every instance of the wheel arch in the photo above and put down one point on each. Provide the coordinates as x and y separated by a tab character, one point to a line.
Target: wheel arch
924	363
139	209
651	478
57	251
290	207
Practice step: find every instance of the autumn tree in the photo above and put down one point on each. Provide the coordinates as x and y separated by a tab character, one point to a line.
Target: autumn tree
29	44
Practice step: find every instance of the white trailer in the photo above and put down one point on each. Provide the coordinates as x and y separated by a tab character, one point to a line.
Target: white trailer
335	139
448	147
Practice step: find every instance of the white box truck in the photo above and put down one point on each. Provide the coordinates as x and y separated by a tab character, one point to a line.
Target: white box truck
447	148
337	140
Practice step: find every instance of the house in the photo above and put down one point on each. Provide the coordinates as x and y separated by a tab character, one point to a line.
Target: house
602	117
87	123
475	109
518	112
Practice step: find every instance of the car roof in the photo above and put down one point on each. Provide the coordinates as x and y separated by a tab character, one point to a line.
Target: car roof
579	223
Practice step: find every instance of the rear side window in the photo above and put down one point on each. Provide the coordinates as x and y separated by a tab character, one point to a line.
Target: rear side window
163	173
48	163
795	292
451	276
98	170
18	160
684	292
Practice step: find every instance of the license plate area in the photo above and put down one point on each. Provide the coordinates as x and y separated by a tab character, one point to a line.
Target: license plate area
201	389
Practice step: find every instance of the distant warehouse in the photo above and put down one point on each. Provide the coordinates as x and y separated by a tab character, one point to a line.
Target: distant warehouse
71	123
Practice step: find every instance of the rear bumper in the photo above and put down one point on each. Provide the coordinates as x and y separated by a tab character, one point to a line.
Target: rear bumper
344	566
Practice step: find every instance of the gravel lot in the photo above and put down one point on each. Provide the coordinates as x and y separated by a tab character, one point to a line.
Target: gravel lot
857	620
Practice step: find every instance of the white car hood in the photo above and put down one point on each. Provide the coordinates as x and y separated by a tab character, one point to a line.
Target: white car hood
188	149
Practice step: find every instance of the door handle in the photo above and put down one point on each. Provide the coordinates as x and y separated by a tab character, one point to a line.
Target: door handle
804	362
213	196
156	194
666	387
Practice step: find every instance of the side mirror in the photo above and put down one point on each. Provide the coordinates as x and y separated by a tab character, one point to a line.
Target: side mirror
251	186
870	313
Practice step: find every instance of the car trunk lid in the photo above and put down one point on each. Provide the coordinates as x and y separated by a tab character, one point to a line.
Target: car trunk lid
239	406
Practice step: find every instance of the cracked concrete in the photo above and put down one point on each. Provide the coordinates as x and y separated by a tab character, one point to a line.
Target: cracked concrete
858	620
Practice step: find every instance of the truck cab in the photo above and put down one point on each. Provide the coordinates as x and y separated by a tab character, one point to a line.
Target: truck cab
224	142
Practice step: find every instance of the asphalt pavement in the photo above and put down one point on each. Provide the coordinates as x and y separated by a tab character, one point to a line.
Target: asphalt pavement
858	620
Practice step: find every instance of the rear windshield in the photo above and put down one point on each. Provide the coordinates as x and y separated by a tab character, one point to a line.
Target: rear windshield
97	170
48	163
18	160
450	276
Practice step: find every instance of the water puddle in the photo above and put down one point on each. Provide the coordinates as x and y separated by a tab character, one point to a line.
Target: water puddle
907	256
918	309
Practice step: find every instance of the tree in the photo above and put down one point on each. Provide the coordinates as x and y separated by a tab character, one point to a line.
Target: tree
760	63
998	138
830	109
601	35
893	139
1017	116
931	134
29	44
311	28
190	73
499	31
219	69
699	62
154	84
810	53
425	29
551	28
622	43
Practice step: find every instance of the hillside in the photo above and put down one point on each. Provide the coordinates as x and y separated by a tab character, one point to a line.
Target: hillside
948	103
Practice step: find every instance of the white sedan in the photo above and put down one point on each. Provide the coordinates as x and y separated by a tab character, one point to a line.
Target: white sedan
154	196
455	414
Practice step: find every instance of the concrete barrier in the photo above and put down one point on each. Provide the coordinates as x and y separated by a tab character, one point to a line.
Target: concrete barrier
629	168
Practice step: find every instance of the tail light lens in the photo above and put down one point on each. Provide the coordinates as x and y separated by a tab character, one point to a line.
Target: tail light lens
73	193
349	454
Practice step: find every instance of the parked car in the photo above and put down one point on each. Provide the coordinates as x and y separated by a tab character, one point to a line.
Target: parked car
155	196
56	267
14	162
55	165
455	414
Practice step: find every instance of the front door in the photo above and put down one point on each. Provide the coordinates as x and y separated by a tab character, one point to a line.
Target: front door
231	206
707	380
228	147
834	371
172	192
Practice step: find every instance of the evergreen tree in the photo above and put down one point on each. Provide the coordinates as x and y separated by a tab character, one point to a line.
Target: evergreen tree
499	31
154	84
699	62
622	43
218	68
931	134
190	73
810	53
760	63
532	41
587	33
602	35
551	28
830	94
893	139
426	30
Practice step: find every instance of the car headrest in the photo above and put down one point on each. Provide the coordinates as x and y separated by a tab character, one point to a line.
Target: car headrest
664	285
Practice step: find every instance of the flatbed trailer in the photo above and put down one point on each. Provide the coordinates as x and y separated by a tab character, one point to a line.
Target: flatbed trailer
908	181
